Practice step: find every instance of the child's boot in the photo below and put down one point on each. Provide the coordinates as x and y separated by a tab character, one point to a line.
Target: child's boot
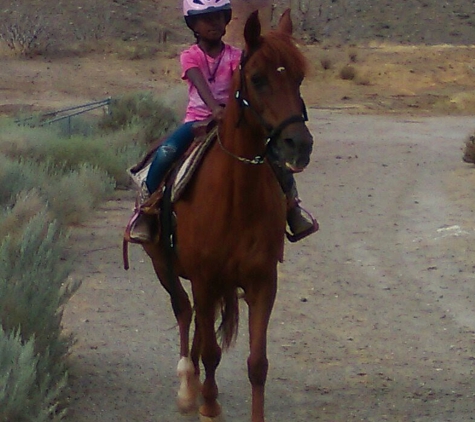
142	227
301	223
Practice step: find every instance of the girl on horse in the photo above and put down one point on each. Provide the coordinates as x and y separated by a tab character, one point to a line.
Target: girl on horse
207	67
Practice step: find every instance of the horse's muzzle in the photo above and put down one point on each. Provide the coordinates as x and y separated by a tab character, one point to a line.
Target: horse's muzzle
294	148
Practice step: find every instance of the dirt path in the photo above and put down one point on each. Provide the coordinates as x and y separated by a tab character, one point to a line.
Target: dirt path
374	321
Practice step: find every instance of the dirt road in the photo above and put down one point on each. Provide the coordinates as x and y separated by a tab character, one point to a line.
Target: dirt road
375	316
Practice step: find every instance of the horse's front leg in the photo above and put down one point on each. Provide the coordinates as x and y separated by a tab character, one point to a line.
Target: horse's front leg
260	299
187	370
189	385
189	373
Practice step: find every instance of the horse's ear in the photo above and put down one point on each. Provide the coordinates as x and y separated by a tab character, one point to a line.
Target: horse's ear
252	31
285	23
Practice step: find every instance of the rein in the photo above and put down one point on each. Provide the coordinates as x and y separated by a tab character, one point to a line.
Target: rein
272	132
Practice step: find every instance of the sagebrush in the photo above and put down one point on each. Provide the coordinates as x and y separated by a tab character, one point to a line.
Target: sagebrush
34	287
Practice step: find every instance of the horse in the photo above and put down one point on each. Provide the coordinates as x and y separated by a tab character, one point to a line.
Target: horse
231	220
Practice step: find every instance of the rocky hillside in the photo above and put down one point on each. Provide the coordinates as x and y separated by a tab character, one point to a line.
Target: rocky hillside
59	23
402	21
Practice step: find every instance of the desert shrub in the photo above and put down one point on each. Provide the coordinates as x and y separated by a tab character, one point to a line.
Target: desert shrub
137	51
74	194
463	101
111	152
70	154
348	72
21	210
24	33
140	110
362	79
17	176
326	62
469	149
70	194
21	397
352	54
82	125
31	306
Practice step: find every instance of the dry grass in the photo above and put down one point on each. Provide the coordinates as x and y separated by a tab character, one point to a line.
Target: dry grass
464	101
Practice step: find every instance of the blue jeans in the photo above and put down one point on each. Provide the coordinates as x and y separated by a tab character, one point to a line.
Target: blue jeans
167	153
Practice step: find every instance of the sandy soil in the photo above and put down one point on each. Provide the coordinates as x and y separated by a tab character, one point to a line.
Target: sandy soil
374	319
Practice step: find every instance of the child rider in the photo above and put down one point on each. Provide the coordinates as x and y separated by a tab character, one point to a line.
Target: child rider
207	66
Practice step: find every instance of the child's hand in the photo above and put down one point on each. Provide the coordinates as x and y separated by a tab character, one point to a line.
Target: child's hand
218	113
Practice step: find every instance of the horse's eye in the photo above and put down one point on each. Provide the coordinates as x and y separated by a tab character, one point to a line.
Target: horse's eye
258	81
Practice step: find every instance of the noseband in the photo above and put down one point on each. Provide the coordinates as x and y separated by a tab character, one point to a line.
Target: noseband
272	132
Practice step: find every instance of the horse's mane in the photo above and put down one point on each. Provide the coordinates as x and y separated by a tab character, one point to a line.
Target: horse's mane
278	49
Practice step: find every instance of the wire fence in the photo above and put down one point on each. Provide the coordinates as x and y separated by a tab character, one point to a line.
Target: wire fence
65	114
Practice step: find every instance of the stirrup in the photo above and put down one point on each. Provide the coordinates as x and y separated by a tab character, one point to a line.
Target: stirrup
139	217
295	237
128	235
129	238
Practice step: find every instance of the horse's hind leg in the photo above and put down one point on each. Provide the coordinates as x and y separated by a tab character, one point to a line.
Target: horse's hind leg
210	356
260	302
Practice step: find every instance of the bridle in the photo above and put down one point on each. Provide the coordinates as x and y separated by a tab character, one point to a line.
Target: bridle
272	132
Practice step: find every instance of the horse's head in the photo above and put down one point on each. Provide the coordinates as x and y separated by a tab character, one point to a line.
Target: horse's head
271	73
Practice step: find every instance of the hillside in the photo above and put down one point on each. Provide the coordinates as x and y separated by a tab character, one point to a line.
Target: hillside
354	21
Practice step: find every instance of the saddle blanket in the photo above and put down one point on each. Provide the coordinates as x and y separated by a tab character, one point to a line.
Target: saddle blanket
184	170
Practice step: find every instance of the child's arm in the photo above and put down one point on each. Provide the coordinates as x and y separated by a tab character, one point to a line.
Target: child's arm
195	76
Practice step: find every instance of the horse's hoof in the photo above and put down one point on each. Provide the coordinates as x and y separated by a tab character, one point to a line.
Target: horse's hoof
190	388
219	418
187	405
211	409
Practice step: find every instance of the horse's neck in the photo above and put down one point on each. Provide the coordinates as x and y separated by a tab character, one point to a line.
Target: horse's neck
240	135
249	181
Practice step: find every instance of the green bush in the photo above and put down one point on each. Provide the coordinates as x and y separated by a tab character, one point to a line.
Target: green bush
31	307
17	176
15	218
70	195
21	397
73	195
112	152
47	182
141	110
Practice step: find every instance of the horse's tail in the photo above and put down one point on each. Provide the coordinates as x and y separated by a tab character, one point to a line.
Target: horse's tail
228	329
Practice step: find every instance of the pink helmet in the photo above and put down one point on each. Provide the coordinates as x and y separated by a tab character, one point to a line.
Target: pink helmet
198	7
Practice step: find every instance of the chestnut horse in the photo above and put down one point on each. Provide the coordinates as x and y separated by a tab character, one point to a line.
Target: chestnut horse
231	219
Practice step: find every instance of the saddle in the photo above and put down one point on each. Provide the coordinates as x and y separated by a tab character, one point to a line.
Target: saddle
174	182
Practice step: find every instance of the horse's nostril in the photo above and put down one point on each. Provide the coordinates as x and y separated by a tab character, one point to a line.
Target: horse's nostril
289	142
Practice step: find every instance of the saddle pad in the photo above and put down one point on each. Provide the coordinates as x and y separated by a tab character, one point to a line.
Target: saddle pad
139	177
190	164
